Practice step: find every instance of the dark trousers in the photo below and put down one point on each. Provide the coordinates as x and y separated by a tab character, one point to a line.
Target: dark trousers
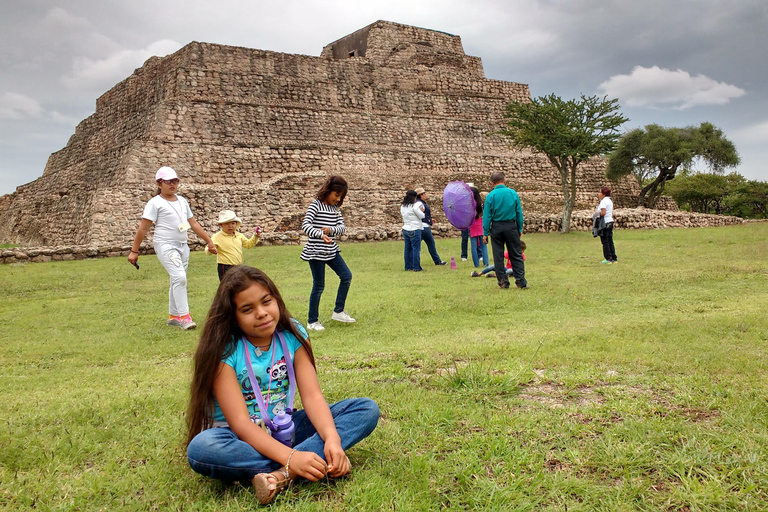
606	237
464	242
317	267
506	233
222	269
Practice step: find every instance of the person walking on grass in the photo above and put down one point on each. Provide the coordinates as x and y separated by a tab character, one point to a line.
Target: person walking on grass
412	212
503	222
322	222
426	227
477	245
251	359
465	235
172	217
605	210
229	242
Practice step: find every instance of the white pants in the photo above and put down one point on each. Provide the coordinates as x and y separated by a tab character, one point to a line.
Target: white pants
174	256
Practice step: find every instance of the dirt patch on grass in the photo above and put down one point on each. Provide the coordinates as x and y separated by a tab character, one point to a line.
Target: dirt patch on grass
558	396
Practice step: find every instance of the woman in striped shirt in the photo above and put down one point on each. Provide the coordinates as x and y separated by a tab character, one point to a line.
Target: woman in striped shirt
322	222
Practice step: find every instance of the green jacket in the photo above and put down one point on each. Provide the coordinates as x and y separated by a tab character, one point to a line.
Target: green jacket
501	204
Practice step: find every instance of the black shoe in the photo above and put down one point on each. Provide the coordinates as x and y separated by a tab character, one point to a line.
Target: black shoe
441	263
504	286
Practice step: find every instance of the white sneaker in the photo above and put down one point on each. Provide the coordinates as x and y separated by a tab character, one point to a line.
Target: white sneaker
315	326
342	317
463	259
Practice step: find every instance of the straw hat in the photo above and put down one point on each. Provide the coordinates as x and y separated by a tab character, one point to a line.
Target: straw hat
228	216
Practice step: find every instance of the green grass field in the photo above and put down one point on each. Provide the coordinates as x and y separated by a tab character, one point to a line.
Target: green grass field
636	386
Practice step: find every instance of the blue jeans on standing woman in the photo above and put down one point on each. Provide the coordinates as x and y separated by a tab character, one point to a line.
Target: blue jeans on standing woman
477	244
317	267
219	453
412	253
429	239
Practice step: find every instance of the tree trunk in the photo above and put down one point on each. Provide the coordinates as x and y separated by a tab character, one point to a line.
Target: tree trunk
565	222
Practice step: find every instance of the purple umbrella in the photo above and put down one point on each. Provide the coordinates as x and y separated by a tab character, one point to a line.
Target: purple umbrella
459	204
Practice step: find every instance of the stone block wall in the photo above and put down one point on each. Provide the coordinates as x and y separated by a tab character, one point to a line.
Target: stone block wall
258	132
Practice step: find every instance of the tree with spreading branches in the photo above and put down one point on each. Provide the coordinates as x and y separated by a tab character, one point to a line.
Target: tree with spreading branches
665	151
567	132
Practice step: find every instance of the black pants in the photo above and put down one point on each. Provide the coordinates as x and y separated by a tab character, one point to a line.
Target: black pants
606	237
506	233
223	270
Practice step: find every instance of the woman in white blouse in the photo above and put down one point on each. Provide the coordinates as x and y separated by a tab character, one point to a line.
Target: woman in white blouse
605	209
412	212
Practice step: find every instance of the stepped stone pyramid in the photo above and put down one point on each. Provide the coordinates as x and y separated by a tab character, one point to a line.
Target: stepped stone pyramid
389	107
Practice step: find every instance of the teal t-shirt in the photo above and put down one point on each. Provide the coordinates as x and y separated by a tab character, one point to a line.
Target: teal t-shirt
265	365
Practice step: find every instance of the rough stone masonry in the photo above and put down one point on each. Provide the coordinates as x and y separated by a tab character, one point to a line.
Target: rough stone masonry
389	107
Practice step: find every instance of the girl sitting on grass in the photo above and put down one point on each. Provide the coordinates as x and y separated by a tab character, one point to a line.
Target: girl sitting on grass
250	341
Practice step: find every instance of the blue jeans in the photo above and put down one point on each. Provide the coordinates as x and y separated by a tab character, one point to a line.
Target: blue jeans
464	241
412	252
317	267
476	242
429	239
491	268
219	453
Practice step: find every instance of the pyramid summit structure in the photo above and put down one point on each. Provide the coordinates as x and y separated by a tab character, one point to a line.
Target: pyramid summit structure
390	107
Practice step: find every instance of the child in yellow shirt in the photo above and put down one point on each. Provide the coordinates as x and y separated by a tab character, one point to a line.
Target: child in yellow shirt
230	242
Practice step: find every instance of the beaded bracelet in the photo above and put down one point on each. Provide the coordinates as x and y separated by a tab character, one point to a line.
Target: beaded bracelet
288	464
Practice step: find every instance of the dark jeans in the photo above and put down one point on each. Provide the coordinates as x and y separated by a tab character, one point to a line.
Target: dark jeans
222	269
506	233
412	250
219	453
606	237
317	267
429	239
464	242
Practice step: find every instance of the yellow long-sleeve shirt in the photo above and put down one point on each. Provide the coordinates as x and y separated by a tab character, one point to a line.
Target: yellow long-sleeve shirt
230	247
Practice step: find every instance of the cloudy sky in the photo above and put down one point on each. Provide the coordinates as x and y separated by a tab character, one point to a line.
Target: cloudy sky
673	62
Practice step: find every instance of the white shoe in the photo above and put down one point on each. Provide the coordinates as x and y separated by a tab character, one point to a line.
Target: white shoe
342	317
463	259
315	326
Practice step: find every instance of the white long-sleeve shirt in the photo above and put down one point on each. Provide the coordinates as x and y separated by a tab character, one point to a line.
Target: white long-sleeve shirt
412	215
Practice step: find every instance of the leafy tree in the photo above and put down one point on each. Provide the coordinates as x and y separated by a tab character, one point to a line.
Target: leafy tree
567	132
749	200
667	151
701	192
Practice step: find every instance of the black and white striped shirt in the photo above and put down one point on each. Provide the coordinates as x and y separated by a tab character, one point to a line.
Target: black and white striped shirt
320	215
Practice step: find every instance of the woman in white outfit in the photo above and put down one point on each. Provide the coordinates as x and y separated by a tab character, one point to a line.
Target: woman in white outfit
605	210
172	217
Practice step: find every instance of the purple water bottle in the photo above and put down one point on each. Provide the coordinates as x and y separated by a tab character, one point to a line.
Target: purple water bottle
284	428
453	263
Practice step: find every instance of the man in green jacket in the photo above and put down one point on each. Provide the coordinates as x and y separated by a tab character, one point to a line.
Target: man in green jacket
503	222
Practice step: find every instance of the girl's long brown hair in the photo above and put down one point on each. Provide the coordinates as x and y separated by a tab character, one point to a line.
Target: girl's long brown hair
333	184
219	338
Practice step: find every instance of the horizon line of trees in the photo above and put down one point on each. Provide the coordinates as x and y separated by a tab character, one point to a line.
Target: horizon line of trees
571	132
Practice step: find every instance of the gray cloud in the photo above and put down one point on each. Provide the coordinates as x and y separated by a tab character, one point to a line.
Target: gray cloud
672	63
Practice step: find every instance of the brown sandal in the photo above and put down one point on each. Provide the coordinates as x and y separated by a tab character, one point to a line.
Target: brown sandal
267	486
